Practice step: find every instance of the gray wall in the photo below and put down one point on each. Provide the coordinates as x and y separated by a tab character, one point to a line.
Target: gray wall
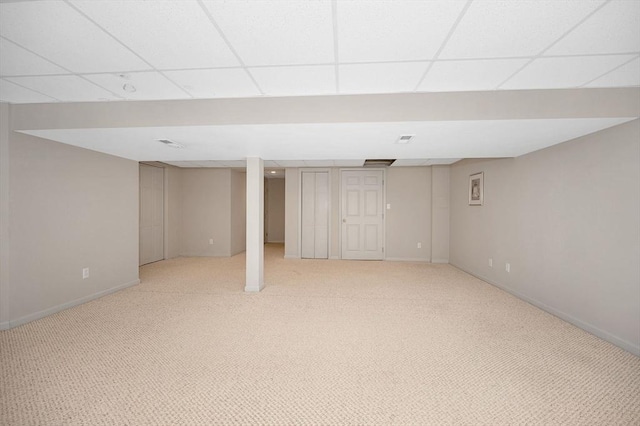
409	221
440	214
238	242
70	209
566	218
206	212
173	210
4	216
274	207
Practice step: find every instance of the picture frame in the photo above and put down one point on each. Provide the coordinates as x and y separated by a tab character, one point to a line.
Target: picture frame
476	189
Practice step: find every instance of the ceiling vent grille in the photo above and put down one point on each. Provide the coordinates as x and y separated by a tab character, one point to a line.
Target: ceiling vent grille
170	143
404	139
378	163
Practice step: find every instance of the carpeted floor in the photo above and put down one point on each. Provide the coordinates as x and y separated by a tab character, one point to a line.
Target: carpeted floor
326	342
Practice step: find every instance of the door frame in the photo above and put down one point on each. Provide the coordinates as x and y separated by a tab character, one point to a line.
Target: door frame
165	206
329	207
384	206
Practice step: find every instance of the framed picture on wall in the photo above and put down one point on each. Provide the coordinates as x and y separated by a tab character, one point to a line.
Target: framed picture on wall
476	189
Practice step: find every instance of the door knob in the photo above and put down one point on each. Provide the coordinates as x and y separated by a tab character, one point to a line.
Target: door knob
344	220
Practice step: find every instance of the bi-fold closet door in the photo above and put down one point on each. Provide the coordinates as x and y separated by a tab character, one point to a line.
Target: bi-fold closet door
315	215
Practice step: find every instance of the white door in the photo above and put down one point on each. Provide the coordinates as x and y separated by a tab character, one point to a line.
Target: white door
362	214
315	215
151	214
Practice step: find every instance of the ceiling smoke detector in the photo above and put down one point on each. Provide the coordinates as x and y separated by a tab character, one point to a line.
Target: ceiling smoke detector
378	163
170	143
404	139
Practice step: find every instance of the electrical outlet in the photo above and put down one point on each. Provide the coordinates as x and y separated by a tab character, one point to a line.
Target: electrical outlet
85	273
490	262
507	267
211	241
419	245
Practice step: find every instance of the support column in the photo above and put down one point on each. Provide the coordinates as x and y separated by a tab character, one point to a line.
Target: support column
255	225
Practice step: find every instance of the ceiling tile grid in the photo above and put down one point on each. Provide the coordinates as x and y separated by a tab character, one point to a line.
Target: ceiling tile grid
77	50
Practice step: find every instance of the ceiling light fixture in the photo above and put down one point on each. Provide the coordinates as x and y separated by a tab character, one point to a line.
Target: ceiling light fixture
129	88
170	144
403	139
273	172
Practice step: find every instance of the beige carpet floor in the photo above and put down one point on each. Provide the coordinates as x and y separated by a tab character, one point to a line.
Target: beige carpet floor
326	342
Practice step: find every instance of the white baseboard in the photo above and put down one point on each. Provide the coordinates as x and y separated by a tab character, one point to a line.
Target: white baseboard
291	256
4	325
439	260
611	338
54	309
334	257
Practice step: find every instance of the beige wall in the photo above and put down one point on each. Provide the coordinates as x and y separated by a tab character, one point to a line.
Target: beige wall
4	216
408	221
566	219
274	208
291	212
440	214
206	212
70	209
173	211
238	241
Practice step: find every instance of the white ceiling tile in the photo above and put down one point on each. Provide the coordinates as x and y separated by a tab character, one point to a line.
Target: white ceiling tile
62	35
504	28
440	161
168	34
13	93
290	81
215	83
348	163
469	75
66	88
318	163
277	32
393	30
381	78
626	75
18	61
291	163
613	29
408	162
549	73
139	85
270	163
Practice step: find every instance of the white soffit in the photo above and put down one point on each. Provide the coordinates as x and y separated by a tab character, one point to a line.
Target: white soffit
613	29
10	92
15	60
564	72
299	80
492	29
61	34
453	76
69	88
340	141
139	85
627	75
277	32
167	34
215	83
381	78
393	30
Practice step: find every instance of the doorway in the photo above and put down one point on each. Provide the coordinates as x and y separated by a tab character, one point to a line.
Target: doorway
314	240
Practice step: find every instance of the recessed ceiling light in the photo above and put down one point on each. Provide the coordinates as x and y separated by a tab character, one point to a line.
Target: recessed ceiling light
170	144
404	139
273	172
129	88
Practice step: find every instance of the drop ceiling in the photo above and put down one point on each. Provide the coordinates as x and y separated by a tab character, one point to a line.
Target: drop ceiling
133	50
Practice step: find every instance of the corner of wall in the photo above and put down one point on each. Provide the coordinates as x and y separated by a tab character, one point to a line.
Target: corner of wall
5	120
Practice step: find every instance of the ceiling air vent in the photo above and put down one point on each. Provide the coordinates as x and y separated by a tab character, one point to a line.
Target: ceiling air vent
171	144
404	139
377	163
